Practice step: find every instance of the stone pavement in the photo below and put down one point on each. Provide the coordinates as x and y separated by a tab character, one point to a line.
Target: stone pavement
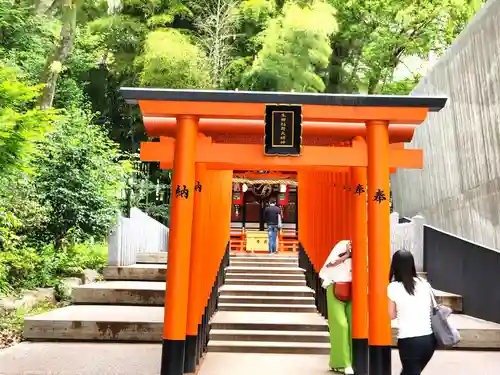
144	359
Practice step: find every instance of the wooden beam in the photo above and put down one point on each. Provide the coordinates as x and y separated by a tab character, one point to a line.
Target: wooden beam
251	157
229	128
253	167
255	111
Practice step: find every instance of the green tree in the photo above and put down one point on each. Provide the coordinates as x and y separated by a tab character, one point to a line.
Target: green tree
21	125
252	18
80	178
25	38
295	50
55	62
375	37
171	60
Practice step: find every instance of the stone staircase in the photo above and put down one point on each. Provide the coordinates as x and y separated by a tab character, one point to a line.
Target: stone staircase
265	307
127	306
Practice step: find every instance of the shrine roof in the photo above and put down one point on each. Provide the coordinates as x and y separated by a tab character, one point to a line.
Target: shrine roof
133	95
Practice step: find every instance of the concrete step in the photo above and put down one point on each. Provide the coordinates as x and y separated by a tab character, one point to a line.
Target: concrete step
155	258
265	276
268	347
265	336
262	290
453	301
266	270
265	282
267	307
268	321
267	300
94	322
264	258
238	263
145	324
475	333
148	293
137	272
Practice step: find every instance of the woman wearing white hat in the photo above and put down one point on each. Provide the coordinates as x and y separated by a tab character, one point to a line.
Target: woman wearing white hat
337	278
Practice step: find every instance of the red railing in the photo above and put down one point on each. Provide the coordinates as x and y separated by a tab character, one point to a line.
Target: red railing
287	240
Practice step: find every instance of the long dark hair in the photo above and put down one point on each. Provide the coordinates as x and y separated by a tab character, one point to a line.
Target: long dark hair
403	270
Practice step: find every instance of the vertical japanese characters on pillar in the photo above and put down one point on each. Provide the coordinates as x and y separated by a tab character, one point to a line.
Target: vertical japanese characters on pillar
179	248
380	335
181	192
360	189
379	196
196	301
198	186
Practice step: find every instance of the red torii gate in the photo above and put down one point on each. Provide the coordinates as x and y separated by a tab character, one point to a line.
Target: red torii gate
224	130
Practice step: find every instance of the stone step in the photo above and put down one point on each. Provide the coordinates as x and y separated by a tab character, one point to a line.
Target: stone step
265	282
264	258
148	293
262	290
267	307
237	263
266	270
136	272
269	321
268	347
453	301
265	276
94	322
145	324
266	300
153	293
155	258
265	336
475	333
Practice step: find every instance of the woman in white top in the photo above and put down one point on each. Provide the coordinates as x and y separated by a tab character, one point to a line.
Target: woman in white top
410	302
336	275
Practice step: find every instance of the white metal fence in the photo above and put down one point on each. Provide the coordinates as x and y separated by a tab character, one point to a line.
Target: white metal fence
137	234
142	234
409	236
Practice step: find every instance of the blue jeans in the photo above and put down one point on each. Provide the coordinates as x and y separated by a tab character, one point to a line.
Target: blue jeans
272	231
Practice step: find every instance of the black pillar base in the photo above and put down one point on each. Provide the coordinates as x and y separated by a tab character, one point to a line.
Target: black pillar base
379	360
360	356
199	346
172	357
190	354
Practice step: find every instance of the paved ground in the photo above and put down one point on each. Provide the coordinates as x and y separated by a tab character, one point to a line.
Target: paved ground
144	359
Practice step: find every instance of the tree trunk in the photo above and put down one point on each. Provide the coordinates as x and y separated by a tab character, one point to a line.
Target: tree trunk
37	6
372	84
335	69
56	61
53	7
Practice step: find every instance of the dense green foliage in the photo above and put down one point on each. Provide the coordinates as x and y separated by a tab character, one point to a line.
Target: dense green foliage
59	188
69	143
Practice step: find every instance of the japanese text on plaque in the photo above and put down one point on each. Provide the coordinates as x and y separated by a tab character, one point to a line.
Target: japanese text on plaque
283	129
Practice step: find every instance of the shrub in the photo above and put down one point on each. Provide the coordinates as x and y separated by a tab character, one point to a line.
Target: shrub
28	269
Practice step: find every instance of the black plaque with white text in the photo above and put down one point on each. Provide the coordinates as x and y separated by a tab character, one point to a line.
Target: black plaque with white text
283	130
